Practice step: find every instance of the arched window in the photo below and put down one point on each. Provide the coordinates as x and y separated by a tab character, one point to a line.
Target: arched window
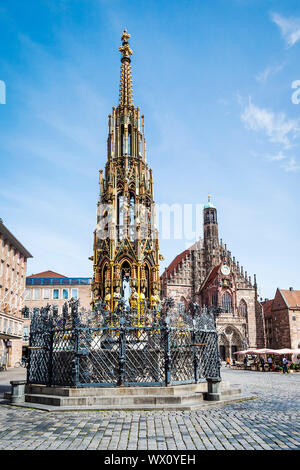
122	140
125	281
243	308
214	299
130	140
226	302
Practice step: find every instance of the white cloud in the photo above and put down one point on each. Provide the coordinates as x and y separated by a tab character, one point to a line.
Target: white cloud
289	28
276	126
270	70
277	158
291	165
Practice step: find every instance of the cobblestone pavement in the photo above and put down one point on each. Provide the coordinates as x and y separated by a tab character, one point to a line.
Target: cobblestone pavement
272	421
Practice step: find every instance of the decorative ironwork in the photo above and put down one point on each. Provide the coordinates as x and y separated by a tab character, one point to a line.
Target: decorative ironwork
123	347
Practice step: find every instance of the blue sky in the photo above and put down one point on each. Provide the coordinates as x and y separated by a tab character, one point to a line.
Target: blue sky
214	80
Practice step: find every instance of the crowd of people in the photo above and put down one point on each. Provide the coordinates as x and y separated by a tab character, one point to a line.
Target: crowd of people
260	362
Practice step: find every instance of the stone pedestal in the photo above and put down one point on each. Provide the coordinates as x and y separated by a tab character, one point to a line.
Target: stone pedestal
213	389
17	391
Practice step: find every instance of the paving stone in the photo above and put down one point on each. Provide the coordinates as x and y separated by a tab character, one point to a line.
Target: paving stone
272	421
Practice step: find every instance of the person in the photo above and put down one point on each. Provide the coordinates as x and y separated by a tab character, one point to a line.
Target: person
262	363
246	362
270	362
227	362
285	365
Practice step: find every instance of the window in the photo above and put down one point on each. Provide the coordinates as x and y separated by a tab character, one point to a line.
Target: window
36	294
226	303
25	332
46	294
65	294
74	293
27	294
55	294
243	308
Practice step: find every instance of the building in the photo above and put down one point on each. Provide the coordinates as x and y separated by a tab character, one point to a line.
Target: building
13	261
49	287
282	319
208	274
126	251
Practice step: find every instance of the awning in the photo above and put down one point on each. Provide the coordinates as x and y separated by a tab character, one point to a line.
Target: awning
269	351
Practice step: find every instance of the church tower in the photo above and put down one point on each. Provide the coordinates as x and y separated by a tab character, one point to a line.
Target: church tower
211	236
126	250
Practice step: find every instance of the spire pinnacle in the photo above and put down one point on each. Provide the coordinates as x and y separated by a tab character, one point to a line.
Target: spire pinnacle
126	81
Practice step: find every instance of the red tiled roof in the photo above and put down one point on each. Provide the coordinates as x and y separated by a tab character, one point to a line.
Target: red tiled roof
211	275
292	298
175	263
46	274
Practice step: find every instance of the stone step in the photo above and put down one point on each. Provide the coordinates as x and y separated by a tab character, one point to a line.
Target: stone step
125	401
158	407
174	390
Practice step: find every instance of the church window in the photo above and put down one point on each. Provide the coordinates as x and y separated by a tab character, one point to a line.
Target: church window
243	308
227	302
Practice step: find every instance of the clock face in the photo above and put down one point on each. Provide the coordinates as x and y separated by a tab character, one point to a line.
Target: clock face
225	269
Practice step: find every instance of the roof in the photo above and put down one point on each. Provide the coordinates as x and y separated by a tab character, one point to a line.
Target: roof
170	269
12	239
46	274
292	297
212	274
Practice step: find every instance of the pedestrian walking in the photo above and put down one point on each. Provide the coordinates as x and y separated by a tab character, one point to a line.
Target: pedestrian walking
262	363
285	365
246	362
270	362
227	362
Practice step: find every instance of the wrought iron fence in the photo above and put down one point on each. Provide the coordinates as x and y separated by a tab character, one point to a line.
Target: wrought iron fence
143	347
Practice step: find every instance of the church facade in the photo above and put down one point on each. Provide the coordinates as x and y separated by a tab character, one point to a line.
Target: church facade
208	274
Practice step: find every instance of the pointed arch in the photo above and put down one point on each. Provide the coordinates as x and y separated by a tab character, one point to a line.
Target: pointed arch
226	302
243	308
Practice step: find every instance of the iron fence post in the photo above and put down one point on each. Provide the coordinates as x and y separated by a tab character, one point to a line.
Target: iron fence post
195	357
50	363
75	368
122	353
167	352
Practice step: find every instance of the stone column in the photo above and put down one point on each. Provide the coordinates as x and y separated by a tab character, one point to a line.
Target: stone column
213	389
17	391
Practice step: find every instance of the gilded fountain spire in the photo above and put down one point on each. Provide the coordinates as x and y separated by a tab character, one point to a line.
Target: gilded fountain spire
126	251
126	98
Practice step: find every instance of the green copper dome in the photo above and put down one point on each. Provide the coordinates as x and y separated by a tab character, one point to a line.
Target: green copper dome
209	205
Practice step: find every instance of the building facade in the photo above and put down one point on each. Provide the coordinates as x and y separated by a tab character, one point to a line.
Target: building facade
282	319
13	262
126	251
49	287
208	274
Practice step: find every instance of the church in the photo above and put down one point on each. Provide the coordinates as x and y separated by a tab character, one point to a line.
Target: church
208	274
